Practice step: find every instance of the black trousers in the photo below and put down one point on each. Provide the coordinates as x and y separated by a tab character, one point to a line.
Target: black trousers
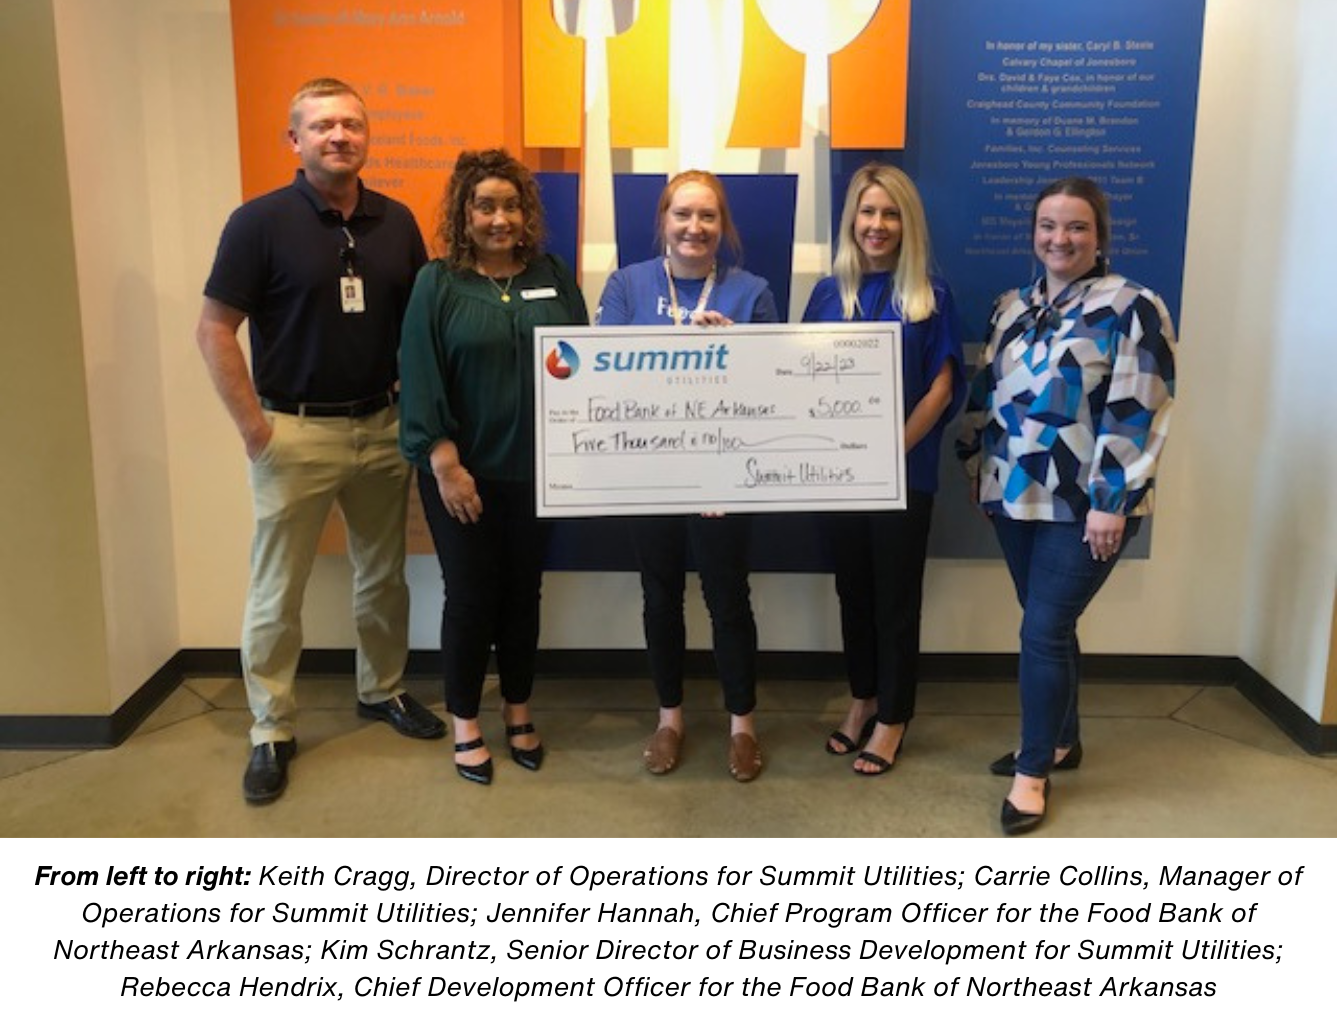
720	547
493	572
879	559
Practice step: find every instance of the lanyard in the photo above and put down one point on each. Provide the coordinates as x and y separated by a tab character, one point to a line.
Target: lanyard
349	253
674	309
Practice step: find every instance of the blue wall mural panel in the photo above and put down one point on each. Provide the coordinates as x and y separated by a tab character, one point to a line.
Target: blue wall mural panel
1006	97
635	198
763	207
560	192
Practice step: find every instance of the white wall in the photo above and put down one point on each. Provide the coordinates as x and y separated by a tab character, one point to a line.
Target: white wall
136	81
52	614
1244	547
1286	382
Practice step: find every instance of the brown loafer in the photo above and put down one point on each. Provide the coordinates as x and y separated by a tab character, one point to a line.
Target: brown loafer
661	753
744	757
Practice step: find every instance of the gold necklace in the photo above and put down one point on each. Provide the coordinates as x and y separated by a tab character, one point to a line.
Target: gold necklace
505	292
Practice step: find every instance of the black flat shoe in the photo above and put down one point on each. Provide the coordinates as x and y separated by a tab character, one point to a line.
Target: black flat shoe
870	723
1017	822
531	759
479	773
877	760
1007	764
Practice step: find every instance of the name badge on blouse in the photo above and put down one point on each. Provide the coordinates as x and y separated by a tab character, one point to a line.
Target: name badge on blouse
350	292
538	293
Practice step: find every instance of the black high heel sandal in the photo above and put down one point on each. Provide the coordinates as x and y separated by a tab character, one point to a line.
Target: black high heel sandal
878	761
870	723
479	773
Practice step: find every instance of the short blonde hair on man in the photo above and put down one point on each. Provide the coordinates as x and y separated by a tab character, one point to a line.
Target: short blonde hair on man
318	88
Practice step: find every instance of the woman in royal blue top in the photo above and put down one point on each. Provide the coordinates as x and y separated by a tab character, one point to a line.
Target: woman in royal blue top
689	286
882	273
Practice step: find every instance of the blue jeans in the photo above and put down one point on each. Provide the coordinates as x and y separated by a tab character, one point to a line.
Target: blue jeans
1056	578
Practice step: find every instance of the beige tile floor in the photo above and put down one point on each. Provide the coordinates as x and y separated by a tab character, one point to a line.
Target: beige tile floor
1164	759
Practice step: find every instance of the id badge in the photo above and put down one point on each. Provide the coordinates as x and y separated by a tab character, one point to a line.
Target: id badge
350	289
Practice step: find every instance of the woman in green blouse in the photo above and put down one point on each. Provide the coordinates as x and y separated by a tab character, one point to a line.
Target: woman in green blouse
466	423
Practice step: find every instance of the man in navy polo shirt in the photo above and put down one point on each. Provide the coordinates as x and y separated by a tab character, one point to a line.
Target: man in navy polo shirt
322	269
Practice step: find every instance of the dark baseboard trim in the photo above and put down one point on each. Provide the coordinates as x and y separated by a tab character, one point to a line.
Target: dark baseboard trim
1314	737
87	732
19	732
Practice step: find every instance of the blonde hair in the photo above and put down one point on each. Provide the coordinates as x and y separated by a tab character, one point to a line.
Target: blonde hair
912	291
319	88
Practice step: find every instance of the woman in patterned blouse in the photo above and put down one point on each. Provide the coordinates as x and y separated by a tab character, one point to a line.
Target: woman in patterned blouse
1065	421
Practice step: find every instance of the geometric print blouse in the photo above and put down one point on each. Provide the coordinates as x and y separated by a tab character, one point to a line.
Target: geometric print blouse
1069	407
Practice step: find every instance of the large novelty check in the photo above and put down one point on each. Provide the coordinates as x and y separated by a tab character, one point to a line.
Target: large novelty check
748	418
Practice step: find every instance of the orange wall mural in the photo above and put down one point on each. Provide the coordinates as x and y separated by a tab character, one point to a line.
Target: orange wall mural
437	77
769	112
440	76
869	82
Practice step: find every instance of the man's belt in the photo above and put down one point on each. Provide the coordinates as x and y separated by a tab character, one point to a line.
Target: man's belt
353	410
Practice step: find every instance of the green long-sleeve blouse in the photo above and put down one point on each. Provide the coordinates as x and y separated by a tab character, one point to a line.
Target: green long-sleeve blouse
467	363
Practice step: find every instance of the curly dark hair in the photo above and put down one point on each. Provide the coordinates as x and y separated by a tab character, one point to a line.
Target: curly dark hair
472	167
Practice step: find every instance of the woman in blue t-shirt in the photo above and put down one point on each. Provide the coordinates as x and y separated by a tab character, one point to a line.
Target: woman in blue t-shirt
882	273
690	286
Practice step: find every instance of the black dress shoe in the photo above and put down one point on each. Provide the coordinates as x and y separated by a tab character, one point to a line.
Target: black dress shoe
531	759
1017	822
479	773
406	716
1007	764
267	771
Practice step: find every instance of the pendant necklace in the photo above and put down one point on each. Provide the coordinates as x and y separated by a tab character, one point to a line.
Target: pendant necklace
505	292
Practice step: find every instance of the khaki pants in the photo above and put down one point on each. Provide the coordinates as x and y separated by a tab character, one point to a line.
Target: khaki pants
308	465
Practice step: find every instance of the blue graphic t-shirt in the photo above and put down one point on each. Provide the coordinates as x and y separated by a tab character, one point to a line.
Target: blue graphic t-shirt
639	294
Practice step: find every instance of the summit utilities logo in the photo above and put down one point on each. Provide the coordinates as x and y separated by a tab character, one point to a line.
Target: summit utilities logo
562	361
